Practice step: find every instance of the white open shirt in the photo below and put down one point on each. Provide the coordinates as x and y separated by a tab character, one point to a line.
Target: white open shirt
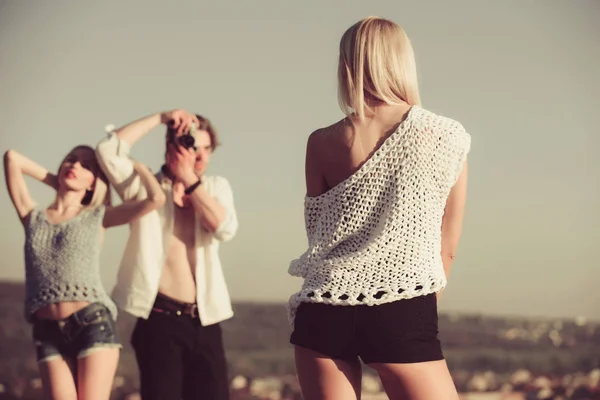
145	253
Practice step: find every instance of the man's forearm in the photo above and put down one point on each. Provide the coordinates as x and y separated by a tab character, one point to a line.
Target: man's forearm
211	212
135	130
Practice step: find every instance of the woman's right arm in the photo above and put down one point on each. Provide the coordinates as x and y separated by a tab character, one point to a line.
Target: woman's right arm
132	210
15	166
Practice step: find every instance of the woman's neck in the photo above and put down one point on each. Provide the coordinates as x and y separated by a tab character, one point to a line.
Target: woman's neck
67	200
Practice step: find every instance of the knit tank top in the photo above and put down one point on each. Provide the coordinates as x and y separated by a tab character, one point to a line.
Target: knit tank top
62	261
376	237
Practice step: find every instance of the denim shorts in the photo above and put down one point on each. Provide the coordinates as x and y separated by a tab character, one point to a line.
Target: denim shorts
90	329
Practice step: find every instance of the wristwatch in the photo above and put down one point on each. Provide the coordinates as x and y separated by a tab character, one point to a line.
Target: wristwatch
193	187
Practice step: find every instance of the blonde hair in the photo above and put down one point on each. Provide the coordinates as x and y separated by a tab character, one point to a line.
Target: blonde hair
376	62
100	193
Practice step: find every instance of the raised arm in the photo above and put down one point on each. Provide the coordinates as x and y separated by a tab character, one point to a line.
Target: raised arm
130	211
15	167
113	152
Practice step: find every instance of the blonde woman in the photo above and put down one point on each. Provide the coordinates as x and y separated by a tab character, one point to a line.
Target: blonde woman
386	189
72	316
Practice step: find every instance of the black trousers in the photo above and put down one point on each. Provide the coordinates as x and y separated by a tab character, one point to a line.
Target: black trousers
179	359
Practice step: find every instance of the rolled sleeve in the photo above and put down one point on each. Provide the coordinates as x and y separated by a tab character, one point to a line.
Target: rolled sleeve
224	195
113	156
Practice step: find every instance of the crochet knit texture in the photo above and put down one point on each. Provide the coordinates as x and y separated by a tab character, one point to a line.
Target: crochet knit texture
62	261
376	237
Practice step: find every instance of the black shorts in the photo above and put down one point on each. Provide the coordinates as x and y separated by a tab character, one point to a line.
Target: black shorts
404	331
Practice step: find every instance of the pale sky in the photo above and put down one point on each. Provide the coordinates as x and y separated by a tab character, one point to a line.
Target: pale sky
522	77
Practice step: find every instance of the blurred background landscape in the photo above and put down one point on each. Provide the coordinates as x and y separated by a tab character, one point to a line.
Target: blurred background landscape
489	357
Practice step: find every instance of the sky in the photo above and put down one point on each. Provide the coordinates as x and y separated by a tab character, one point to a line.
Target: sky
522	77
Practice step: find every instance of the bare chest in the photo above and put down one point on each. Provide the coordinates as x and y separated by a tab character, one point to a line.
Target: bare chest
184	226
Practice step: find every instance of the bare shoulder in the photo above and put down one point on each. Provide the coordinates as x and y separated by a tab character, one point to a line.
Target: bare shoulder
328	136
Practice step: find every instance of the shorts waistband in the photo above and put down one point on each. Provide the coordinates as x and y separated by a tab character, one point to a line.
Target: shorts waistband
81	317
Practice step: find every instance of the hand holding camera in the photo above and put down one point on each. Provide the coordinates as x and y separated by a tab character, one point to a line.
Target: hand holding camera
180	121
181	128
181	148
180	162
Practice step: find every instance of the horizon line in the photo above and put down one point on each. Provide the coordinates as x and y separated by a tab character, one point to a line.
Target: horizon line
445	313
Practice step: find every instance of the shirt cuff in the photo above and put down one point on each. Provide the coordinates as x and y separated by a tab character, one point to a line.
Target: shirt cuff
122	147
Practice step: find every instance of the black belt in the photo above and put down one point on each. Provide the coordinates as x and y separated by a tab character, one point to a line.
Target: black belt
167	305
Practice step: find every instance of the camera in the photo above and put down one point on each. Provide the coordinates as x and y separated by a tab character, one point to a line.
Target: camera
187	140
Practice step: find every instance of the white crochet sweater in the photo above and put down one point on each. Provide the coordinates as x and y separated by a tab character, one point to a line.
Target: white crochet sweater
376	237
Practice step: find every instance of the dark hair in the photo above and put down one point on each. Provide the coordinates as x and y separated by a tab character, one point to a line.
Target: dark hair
100	176
206	125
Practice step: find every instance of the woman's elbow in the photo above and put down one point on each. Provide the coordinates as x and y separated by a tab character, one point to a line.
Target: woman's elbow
449	255
9	156
158	200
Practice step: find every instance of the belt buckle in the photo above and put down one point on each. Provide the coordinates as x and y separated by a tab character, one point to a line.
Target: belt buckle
192	310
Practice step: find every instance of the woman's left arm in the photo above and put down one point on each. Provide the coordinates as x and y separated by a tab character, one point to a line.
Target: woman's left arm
132	210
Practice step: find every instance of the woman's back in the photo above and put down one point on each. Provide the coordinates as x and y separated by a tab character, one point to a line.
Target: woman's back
374	219
339	150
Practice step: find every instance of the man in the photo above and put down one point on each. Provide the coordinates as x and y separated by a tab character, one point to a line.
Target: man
170	276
